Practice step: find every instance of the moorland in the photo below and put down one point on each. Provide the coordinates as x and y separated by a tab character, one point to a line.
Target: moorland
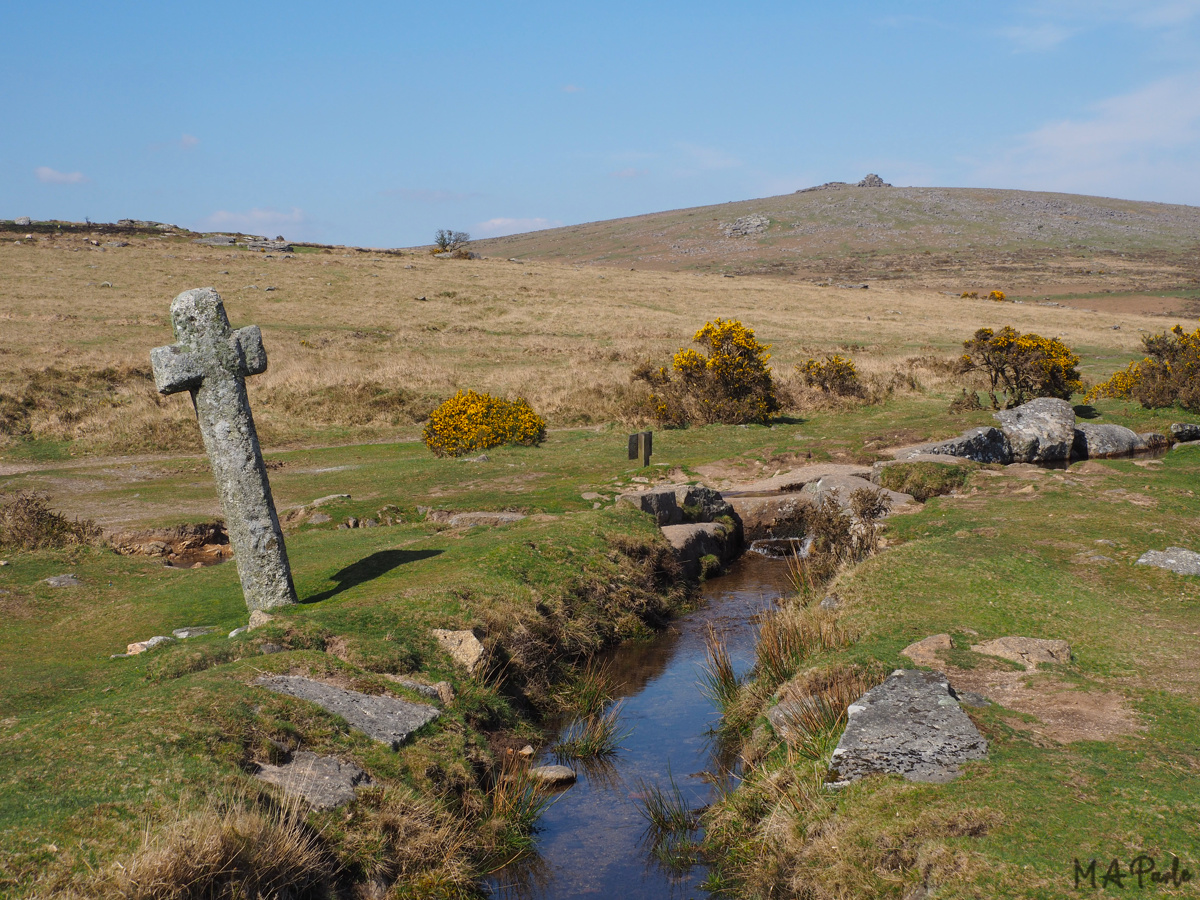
116	766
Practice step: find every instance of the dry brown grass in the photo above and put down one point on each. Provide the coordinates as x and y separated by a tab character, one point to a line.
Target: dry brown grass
351	346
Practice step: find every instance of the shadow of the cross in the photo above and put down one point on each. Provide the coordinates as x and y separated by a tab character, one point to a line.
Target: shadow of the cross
368	568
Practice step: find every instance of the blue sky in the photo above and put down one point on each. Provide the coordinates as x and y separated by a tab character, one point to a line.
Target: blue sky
377	123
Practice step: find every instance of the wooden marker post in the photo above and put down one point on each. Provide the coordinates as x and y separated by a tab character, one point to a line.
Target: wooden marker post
641	445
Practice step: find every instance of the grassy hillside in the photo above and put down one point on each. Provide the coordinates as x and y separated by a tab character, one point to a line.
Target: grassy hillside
941	238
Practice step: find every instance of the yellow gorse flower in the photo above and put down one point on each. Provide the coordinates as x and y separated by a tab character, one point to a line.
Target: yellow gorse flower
470	421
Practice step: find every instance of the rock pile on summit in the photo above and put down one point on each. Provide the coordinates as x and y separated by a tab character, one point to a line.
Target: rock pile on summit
871	181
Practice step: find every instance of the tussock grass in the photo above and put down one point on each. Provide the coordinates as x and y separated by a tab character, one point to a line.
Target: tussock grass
789	637
718	680
595	736
228	850
925	479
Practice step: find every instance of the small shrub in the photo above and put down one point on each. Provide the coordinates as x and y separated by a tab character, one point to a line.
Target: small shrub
469	421
998	296
967	401
1021	366
834	375
970	295
924	479
729	384
28	523
1169	375
445	240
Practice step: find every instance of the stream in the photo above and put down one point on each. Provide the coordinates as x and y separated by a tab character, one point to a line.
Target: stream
591	842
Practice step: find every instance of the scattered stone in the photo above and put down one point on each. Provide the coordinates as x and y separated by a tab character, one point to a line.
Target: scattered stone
22	220
464	647
3	562
469	519
386	719
211	361
924	651
242	630
1177	559
270	648
63	581
1102	441
149	644
755	223
352	522
276	246
1042	430
319	518
1026	651
831	601
526	751
258	618
194	631
983	445
970	698
841	487
324	781
482	457
590	495
368	523
911	725
553	776
1185	432
113	245
440	691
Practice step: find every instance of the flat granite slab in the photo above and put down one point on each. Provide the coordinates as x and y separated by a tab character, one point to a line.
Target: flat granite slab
386	719
1177	559
324	781
911	725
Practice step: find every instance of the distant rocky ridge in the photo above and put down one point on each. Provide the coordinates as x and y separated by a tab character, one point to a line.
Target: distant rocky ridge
871	181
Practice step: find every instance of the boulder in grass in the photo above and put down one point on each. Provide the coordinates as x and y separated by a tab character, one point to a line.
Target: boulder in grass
1176	559
911	725
1185	432
1026	651
983	445
1042	430
1104	441
325	782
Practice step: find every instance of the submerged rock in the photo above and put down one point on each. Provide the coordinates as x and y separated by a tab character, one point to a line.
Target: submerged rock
911	725
553	776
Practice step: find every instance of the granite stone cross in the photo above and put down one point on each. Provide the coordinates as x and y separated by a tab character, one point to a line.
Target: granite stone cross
212	361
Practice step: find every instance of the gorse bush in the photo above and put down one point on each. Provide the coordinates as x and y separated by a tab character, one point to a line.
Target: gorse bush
1170	373
834	375
730	383
998	296
1021	366
28	523
469	421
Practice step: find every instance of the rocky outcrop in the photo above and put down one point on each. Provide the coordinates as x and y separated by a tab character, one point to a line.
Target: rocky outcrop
780	516
385	719
675	504
983	445
911	725
924	652
1177	559
1042	430
842	487
1101	441
746	226
1185	432
692	543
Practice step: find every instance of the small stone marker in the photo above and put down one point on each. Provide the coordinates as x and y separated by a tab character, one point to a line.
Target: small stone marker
641	445
62	581
212	361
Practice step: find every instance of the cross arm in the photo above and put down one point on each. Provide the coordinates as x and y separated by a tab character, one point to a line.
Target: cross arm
253	355
175	369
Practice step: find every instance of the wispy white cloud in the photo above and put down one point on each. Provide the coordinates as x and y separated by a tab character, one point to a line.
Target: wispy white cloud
695	159
255	221
572	89
47	175
630	172
427	195
501	226
1146	142
1043	36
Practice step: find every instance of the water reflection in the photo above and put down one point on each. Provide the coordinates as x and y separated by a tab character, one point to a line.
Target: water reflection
594	841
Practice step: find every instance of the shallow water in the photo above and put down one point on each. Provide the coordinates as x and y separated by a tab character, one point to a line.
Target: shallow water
591	841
